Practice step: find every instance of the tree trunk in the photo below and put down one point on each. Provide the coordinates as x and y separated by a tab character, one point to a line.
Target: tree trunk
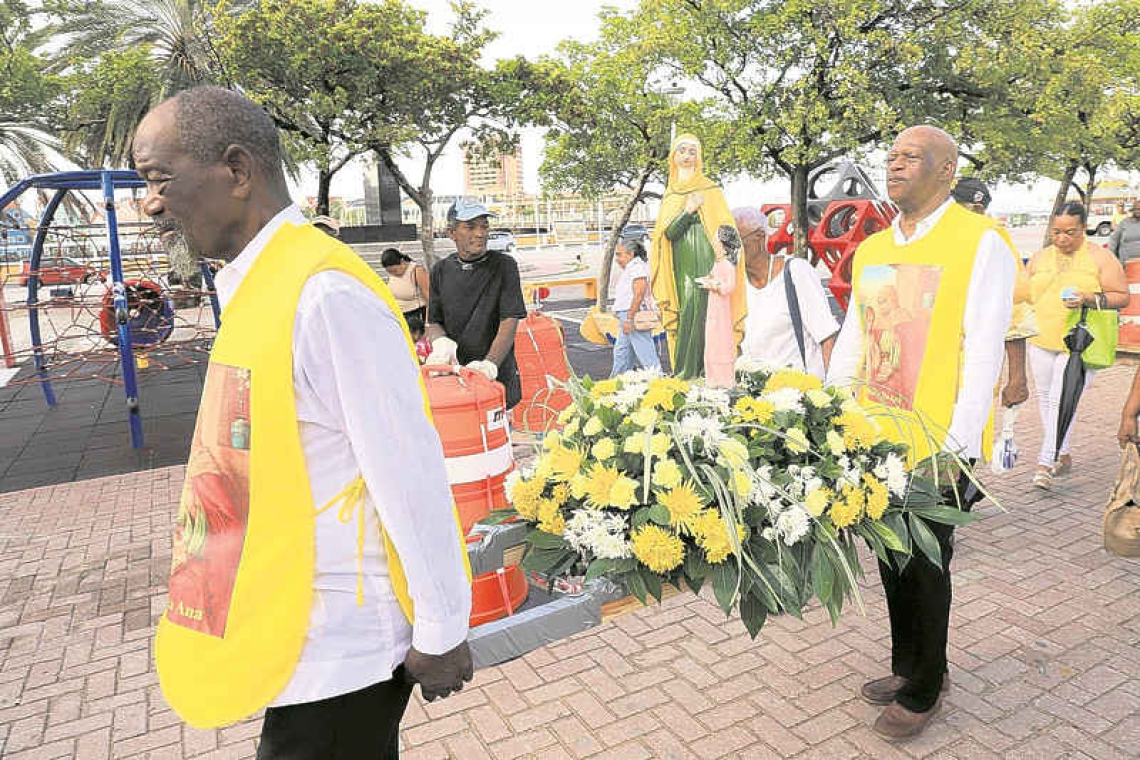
799	211
427	228
611	244
324	182
1062	193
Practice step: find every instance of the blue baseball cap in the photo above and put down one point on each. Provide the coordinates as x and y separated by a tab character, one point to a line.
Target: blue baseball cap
466	209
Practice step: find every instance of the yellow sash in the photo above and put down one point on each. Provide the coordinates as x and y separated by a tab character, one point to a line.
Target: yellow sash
911	301
245	543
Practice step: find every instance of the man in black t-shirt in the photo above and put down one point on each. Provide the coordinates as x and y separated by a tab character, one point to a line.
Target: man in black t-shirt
476	302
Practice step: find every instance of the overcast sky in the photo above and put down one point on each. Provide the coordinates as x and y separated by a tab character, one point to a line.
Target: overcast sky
534	28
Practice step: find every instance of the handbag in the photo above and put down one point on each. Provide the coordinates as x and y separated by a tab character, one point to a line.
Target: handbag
1122	515
647	320
1104	326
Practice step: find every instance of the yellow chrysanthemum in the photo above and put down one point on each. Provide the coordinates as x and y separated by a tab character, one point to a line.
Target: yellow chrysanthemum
662	391
733	452
571	427
755	410
859	430
666	474
792	378
542	470
835	443
660	444
712	536
580	485
551	440
560	493
524	497
603	388
818	500
819	397
566	414
603	449
564	462
623	493
634	444
849	509
877	499
684	505
657	549
741	483
796	441
601	480
643	417
550	517
593	426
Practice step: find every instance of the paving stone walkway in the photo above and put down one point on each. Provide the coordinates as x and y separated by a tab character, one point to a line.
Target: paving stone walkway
1045	645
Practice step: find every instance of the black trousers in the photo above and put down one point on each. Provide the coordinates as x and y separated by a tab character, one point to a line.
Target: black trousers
918	601
361	725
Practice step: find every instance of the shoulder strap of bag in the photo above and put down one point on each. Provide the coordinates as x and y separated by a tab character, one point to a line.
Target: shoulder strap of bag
794	310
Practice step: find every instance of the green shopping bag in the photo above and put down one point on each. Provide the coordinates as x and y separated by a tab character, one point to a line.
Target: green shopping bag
1104	326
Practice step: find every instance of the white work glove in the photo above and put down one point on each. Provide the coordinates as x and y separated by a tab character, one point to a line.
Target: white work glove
488	368
443	351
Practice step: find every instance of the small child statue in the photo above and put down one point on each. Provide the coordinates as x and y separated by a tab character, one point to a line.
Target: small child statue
720	344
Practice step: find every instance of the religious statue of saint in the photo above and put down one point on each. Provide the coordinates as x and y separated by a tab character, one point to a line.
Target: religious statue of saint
684	252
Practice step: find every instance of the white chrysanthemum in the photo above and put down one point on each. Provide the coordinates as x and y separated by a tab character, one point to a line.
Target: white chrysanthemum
703	394
892	471
762	488
769	534
818	398
599	532
629	396
612	546
643	375
514	476
786	400
750	364
708	430
793	524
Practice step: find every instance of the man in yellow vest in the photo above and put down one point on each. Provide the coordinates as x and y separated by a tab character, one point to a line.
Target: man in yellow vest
317	569
949	276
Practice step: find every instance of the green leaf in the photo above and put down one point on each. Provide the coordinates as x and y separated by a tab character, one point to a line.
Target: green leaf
634	582
725	576
822	574
659	514
874	542
599	568
696	566
889	538
695	584
652	583
945	515
926	540
753	613
543	540
543	560
640	517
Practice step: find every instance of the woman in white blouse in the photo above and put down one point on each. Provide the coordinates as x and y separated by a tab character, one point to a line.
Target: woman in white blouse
769	331
631	296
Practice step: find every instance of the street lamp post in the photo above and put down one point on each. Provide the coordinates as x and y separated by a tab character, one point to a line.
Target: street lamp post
674	93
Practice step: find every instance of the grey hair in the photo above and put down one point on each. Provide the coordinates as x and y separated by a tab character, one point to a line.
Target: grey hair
210	119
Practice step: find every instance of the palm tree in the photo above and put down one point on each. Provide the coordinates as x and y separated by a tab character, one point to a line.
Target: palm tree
127	56
26	144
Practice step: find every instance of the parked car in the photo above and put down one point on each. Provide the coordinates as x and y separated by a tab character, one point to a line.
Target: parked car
501	240
635	231
59	271
1100	225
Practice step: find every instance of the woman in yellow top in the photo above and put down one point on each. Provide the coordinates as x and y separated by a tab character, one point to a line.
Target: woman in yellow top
692	211
1067	275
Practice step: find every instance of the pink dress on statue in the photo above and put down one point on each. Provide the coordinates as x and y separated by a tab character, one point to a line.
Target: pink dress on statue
720	342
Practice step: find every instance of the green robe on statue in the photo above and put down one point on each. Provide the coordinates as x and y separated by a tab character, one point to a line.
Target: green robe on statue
693	257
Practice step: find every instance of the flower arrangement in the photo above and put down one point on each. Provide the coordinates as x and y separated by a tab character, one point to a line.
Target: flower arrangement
761	491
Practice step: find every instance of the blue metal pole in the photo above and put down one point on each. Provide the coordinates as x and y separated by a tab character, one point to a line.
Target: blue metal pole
208	279
122	312
34	296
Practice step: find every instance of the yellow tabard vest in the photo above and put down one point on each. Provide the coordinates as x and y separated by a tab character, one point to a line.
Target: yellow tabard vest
241	581
911	300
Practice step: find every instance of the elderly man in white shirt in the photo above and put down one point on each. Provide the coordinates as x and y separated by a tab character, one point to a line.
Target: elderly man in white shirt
926	241
211	160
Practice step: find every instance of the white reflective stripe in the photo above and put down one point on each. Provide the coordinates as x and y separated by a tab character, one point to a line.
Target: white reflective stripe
1126	319
1134	287
475	467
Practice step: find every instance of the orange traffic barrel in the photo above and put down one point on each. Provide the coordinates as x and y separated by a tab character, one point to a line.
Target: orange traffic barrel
1130	314
541	356
470	414
497	594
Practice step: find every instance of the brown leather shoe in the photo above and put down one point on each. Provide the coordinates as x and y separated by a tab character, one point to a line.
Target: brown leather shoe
882	691
898	723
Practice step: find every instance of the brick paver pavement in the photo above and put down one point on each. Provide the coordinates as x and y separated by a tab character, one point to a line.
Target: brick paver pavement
1045	645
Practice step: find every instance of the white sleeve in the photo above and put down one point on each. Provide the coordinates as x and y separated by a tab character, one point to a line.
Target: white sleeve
814	309
989	302
369	376
848	348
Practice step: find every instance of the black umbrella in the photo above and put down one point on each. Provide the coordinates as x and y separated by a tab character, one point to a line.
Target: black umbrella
1073	385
